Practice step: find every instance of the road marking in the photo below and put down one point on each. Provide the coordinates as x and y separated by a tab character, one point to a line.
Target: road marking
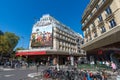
9	75
36	78
7	69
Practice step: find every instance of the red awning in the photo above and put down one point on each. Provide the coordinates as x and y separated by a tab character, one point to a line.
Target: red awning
28	53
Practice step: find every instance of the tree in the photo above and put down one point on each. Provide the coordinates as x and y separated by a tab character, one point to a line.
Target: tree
1	40
20	48
8	42
3	44
1	33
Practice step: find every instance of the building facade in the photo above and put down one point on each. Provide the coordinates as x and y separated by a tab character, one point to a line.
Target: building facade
101	26
53	41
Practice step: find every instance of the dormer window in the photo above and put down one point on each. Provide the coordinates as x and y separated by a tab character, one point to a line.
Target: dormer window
37	30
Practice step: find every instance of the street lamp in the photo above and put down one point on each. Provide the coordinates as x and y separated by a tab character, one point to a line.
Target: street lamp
71	58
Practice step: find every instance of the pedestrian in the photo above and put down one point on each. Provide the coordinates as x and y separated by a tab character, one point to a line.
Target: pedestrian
92	63
104	75
84	78
37	65
107	64
88	76
113	65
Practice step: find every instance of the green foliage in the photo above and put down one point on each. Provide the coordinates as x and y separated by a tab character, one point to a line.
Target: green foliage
19	48
1	33
8	42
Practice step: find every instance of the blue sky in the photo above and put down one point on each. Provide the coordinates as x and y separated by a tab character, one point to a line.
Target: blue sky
18	16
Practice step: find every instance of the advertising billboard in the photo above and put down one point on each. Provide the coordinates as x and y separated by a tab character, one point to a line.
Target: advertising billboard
41	37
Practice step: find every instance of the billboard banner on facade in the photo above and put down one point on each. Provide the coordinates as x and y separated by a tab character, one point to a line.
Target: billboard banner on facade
41	37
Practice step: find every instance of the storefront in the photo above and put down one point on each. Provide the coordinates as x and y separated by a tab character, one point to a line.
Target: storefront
47	57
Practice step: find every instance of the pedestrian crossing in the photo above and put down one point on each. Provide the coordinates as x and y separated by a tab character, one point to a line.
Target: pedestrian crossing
7	69
10	69
7	75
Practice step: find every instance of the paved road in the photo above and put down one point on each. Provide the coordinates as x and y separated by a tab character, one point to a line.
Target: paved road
15	74
21	74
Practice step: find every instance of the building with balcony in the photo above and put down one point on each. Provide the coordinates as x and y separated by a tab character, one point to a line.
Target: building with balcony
101	27
53	42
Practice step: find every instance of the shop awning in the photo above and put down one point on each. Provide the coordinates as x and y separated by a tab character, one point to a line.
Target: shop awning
28	53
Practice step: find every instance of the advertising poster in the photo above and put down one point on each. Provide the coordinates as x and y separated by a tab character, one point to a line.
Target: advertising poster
41	37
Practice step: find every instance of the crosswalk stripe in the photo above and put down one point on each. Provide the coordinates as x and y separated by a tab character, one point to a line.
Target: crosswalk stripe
9	75
7	69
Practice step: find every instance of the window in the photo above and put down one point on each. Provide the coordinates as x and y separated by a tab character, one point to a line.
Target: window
108	10
100	18
82	42
90	38
93	25
86	39
112	23
79	51
91	14
87	19
97	6
37	30
103	0
83	24
103	29
88	28
95	34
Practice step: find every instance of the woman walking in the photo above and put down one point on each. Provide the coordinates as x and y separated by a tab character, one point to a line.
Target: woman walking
113	65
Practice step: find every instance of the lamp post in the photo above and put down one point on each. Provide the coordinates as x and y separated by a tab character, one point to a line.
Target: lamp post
71	58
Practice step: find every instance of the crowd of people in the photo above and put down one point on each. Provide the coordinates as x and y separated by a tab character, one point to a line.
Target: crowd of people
108	64
13	63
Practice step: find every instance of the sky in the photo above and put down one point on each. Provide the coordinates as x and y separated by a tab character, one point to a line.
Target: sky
19	16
